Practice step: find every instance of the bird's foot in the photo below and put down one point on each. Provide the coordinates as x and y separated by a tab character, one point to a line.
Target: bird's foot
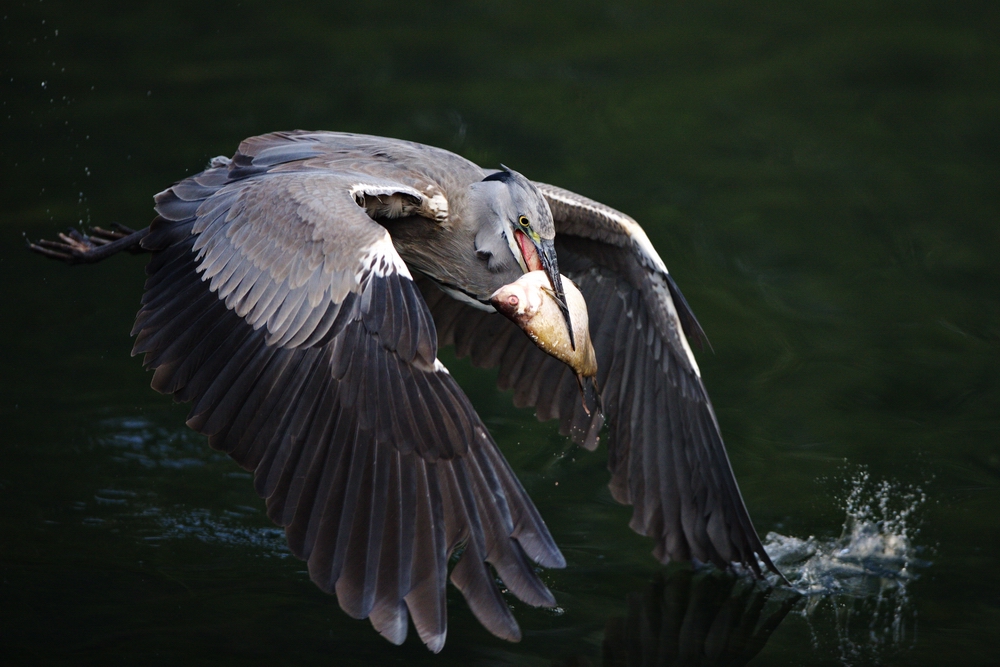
75	247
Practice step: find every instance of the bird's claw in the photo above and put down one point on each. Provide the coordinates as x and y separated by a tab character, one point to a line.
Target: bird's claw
72	247
75	247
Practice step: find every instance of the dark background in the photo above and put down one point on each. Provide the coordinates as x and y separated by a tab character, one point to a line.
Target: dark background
821	178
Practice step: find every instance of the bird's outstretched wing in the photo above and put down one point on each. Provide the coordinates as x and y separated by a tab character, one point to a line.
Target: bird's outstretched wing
666	454
281	310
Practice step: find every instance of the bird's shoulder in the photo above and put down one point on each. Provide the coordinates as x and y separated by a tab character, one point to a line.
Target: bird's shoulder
577	215
603	238
302	206
407	162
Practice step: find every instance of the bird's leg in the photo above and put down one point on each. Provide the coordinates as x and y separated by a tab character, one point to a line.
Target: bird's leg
590	394
74	247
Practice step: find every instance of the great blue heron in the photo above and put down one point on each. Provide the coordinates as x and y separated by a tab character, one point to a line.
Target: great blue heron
297	296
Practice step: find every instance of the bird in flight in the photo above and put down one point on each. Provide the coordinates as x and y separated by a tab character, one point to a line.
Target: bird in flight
297	296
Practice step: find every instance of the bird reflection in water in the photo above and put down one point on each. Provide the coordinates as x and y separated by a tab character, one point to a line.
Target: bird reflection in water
688	618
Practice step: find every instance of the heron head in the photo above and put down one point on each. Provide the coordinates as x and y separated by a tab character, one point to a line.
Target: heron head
517	216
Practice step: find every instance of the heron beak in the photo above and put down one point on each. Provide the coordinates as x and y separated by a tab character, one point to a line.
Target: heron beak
547	253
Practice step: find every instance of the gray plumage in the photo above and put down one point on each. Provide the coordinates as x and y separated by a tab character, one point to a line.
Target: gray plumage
297	296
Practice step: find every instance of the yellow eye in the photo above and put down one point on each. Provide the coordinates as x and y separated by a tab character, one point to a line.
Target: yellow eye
523	221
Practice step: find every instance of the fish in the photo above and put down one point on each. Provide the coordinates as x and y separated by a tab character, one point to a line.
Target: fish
530	303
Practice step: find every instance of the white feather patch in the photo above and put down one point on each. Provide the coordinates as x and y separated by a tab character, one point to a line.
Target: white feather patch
662	292
381	259
628	225
371	189
641	242
690	354
437	206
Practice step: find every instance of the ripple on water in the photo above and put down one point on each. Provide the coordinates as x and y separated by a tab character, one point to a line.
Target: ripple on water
228	528
860	577
140	441
134	440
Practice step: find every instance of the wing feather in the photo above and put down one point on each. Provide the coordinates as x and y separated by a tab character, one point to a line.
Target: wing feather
283	313
665	452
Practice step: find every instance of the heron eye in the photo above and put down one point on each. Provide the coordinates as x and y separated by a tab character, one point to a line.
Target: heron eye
523	221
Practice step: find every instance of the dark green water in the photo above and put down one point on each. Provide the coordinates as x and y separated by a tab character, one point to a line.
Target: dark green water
821	178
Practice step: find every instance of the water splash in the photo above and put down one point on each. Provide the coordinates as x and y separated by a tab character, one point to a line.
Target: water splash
859	578
876	543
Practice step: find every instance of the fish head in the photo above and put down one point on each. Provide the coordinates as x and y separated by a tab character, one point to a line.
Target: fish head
521	301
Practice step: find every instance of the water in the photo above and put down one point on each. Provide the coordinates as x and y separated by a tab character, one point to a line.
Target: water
877	542
821	181
858	581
